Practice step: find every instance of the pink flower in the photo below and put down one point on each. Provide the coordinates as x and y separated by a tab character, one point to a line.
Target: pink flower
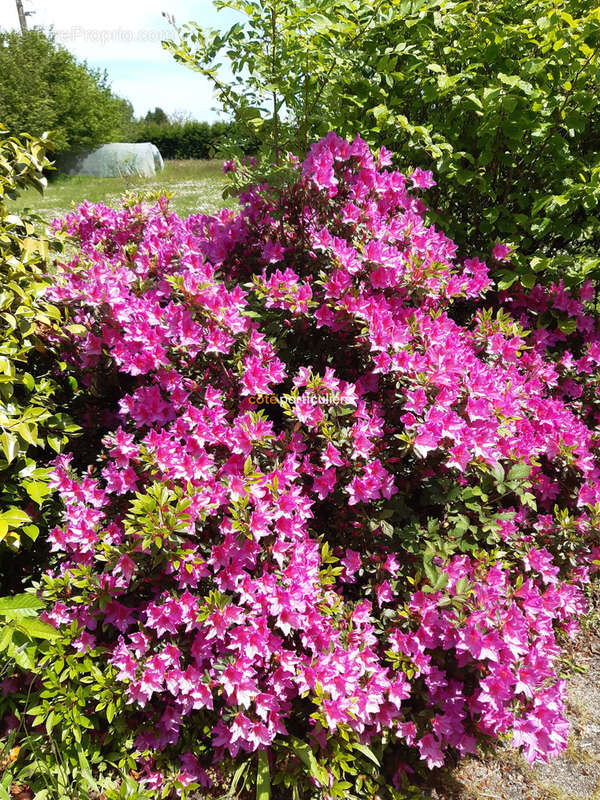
384	157
541	561
501	251
430	751
85	641
351	563
325	482
384	593
272	252
422	179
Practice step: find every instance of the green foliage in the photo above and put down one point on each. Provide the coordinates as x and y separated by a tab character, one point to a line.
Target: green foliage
69	745
31	428
20	629
263	777
127	123
286	61
43	88
183	140
498	98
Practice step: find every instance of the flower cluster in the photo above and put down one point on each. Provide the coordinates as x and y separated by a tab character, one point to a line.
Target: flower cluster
375	571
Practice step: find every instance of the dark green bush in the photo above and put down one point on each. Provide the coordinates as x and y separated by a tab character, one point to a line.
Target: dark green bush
188	139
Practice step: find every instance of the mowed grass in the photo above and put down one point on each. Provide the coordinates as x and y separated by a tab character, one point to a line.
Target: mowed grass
197	187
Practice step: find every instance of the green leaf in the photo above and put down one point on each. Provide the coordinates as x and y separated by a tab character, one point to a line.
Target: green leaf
28	433
307	757
32	531
35	628
528	279
23	655
9	445
26	605
6	633
509	80
527	499
86	771
238	776
441	581
56	443
507	279
498	472
431	572
475	100
366	751
37	490
263	777
50	723
381	113
518	471
14	517
78	330
568	326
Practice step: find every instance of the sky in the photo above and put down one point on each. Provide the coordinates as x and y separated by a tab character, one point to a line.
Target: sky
124	37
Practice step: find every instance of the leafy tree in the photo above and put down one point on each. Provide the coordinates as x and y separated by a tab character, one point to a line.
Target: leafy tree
286	61
158	117
498	98
127	121
43	87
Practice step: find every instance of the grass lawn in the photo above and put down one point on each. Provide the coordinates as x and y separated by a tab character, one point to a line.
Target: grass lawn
196	185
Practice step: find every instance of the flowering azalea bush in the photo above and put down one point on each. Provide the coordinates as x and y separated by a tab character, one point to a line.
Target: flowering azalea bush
327	597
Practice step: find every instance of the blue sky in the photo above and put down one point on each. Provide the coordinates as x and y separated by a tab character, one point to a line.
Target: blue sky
124	38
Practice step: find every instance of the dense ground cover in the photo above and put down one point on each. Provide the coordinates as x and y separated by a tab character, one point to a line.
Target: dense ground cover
328	597
197	186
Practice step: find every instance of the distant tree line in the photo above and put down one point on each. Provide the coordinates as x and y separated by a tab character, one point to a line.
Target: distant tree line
178	137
